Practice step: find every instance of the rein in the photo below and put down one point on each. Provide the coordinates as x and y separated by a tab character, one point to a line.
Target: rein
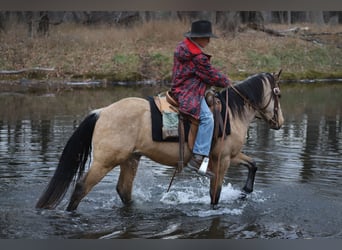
222	139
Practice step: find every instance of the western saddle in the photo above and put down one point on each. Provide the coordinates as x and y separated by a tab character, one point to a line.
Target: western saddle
166	103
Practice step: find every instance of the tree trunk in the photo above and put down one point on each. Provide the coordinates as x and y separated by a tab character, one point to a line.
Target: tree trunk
30	23
228	21
266	16
44	24
289	18
316	17
2	21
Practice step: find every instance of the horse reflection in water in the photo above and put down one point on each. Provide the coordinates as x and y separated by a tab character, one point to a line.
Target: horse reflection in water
119	134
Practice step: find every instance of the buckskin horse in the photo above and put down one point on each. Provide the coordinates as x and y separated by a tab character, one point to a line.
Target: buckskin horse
119	134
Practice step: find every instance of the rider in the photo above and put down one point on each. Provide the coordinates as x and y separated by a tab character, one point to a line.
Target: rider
192	74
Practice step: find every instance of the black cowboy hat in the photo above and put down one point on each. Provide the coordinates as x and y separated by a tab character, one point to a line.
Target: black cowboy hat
201	28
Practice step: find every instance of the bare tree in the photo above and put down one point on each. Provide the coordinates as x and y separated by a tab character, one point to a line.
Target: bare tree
316	17
2	21
43	24
30	22
228	21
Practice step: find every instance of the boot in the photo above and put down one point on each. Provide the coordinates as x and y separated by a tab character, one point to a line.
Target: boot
195	163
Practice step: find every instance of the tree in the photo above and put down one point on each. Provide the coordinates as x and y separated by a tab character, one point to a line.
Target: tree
316	17
228	21
43	24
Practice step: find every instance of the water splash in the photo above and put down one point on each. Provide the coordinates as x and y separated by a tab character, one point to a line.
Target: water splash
198	195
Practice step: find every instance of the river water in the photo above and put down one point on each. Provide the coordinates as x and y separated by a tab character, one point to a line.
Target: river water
298	186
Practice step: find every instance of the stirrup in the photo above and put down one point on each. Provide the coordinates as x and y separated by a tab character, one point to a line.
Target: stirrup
202	169
204	166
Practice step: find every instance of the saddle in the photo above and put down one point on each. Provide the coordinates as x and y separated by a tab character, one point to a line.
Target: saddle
172	118
173	121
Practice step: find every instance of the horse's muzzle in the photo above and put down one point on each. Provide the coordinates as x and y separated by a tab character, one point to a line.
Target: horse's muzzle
275	125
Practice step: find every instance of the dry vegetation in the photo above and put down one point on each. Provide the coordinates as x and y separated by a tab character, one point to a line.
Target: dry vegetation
145	52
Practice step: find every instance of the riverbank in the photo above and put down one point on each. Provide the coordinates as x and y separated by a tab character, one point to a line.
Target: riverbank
108	54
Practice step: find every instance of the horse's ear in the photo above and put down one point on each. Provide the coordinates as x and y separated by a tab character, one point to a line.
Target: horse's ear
277	75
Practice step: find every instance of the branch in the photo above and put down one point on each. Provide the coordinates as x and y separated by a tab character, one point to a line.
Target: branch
298	32
260	27
9	72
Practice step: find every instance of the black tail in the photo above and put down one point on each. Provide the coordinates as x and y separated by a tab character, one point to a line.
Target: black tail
71	163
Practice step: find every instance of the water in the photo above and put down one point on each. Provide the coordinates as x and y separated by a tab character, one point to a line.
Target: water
298	187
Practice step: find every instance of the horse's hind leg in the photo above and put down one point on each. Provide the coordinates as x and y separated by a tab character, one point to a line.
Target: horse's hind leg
95	174
128	170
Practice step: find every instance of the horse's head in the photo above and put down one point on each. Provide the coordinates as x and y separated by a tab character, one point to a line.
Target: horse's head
270	109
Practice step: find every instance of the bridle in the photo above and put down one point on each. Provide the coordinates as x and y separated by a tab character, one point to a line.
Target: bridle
275	95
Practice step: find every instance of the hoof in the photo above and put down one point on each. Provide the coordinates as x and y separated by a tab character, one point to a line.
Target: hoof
215	207
243	195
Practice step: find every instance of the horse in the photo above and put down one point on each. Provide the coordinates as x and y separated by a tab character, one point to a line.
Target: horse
120	134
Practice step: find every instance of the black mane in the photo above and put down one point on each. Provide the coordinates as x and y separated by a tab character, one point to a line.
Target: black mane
252	88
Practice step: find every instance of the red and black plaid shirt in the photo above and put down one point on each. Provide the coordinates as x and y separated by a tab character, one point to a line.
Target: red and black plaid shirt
191	74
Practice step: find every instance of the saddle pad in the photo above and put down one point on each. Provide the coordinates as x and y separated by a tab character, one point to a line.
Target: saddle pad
157	124
162	104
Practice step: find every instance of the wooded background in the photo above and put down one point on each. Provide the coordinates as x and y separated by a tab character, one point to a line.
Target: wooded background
228	21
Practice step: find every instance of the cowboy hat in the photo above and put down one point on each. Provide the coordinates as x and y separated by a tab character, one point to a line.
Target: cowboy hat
201	28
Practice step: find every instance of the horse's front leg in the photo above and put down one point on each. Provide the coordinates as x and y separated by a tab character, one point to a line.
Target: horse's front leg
219	169
242	159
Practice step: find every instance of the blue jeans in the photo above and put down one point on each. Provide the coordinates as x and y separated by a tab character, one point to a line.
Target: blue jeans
205	131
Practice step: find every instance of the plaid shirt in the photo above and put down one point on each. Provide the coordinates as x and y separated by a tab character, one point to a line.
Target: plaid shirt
191	74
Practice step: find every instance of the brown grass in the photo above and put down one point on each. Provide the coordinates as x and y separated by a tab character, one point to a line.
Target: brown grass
145	51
